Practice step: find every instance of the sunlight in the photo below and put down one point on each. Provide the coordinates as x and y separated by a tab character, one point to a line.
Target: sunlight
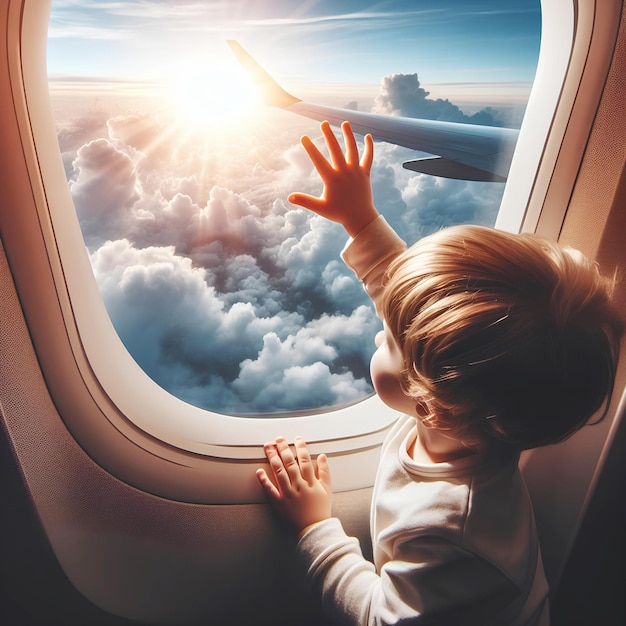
210	96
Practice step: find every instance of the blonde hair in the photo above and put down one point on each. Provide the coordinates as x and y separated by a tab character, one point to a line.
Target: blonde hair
504	336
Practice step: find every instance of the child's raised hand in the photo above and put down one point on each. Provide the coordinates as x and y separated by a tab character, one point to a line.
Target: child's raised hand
347	195
300	491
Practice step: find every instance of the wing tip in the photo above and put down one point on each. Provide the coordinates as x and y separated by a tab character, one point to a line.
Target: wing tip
270	91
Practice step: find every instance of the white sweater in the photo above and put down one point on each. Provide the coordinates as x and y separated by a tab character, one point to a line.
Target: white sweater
454	543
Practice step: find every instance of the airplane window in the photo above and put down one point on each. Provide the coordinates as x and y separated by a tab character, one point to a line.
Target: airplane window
225	294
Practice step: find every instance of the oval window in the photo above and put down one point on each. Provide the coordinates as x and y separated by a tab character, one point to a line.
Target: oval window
225	294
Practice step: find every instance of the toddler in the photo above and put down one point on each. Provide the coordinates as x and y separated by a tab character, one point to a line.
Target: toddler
492	343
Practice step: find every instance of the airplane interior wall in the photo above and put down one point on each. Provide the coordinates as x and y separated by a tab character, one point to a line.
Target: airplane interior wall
135	554
132	553
592	583
80	547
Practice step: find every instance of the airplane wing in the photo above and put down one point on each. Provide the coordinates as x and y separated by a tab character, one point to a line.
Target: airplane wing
463	151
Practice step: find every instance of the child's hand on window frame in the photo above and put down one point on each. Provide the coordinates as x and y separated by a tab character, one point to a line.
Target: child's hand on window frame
301	488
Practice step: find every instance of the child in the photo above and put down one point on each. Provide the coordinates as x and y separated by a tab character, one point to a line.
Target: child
492	343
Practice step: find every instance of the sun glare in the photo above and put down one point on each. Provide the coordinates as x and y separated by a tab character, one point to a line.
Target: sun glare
212	96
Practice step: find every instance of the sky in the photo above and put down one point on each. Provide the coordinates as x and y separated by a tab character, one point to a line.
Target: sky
227	295
454	42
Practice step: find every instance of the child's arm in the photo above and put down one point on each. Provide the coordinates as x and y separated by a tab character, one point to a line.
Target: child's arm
347	196
300	490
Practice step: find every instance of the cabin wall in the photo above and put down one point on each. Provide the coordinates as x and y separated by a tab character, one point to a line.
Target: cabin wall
596	567
588	584
128	552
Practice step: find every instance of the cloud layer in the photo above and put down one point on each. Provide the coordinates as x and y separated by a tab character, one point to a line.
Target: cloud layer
402	94
225	294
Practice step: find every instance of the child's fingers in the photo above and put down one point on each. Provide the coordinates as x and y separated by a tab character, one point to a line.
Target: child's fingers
323	471
368	153
304	460
267	484
279	470
334	149
319	161
289	460
352	150
308	202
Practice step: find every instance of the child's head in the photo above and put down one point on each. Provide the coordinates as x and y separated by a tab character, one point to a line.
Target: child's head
503	336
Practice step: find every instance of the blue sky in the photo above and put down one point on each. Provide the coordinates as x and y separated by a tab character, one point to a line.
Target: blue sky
326	40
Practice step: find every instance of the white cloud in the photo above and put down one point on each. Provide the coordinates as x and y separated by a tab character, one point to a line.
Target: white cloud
104	190
223	292
403	95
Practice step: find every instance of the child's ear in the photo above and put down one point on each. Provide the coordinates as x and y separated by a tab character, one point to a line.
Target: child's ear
425	412
421	409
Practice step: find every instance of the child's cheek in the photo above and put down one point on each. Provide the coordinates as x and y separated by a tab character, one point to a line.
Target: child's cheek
386	380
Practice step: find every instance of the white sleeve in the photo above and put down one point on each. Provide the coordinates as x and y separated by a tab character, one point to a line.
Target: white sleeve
428	578
335	564
369	254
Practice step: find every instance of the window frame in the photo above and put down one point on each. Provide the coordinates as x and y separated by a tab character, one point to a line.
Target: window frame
111	407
